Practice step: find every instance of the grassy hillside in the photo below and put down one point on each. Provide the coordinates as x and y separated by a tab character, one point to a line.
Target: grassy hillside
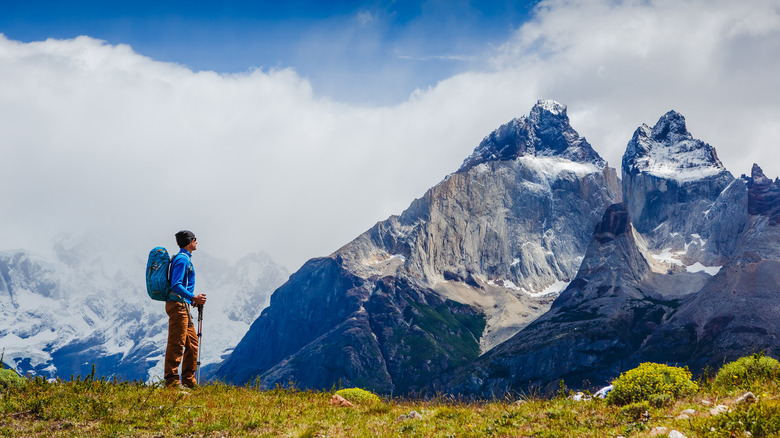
90	407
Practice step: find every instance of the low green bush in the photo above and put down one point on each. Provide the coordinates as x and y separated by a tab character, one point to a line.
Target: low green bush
655	383
661	400
748	372
9	379
358	396
759	419
639	411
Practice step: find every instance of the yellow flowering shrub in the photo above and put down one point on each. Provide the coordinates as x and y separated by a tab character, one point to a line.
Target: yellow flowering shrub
748	372
9	379
656	383
357	395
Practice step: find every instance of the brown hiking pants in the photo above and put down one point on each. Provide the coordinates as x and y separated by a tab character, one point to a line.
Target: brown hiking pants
182	341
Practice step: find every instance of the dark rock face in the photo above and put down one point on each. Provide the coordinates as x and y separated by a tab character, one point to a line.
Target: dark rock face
614	224
734	315
462	269
763	195
613	252
314	301
370	336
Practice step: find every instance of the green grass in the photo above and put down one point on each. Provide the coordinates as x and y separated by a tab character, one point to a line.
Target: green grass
89	407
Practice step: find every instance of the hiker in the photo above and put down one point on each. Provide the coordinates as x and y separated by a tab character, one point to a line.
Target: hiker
181	330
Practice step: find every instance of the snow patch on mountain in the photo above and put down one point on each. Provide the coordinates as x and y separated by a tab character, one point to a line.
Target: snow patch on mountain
551	169
670	256
698	267
555	288
674	257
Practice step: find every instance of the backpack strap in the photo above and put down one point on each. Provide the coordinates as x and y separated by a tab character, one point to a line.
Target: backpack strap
187	269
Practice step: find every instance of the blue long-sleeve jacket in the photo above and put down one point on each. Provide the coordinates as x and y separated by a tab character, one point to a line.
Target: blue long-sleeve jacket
182	278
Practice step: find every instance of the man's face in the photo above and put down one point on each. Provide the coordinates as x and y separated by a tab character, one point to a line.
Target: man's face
192	245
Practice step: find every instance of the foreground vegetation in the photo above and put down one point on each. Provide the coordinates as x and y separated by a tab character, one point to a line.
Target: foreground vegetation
712	407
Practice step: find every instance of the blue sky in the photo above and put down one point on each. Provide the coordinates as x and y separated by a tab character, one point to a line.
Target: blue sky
292	129
355	51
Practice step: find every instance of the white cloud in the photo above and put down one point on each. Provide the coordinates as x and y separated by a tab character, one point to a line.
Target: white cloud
98	137
619	64
364	18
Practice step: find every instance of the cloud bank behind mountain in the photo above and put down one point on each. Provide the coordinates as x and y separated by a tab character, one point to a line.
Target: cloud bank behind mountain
97	138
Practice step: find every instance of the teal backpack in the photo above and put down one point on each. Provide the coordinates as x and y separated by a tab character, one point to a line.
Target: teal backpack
158	275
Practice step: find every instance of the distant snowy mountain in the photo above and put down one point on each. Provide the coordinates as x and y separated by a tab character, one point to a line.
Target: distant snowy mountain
87	305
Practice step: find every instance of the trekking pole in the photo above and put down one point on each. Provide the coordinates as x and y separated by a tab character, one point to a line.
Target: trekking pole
200	337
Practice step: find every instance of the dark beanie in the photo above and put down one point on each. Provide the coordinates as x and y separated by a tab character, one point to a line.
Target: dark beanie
184	237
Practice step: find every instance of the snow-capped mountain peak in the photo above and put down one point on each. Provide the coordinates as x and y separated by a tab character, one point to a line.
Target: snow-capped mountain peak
545	132
671	128
668	150
548	106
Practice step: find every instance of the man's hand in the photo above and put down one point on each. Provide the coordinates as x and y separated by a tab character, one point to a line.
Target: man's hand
199	299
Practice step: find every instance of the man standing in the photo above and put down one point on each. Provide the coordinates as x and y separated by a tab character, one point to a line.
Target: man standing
182	338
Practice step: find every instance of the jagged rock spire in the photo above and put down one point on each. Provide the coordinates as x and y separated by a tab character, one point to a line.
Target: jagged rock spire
671	128
614	223
763	195
612	257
